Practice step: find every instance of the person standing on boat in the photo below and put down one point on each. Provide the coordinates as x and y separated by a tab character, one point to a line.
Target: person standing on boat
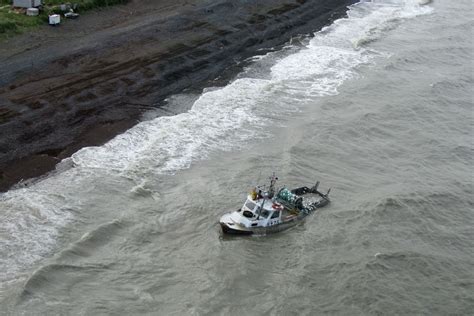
253	194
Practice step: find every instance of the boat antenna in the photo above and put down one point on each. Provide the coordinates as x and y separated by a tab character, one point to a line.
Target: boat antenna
259	176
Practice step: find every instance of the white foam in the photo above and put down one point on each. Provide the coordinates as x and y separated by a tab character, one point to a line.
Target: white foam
31	218
167	144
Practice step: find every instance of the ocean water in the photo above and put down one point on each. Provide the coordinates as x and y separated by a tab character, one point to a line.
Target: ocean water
378	106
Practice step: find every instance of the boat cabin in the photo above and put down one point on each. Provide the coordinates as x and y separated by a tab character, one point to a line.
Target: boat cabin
261	212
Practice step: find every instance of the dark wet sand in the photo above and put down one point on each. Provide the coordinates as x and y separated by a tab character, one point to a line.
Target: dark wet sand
90	79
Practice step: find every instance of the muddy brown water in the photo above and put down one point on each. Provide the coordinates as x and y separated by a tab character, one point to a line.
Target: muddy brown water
378	106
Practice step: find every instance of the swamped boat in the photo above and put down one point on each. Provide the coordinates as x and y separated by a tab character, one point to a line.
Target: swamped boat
265	212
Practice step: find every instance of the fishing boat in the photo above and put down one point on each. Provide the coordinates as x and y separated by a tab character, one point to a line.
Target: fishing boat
267	210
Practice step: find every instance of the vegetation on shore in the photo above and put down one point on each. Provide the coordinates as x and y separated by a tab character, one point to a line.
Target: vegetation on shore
14	21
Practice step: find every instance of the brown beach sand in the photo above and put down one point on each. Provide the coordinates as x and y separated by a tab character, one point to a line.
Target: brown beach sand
80	84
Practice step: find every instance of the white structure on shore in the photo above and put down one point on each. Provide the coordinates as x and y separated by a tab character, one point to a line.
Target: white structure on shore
27	3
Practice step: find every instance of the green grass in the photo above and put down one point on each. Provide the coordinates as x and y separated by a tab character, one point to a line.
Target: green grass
12	23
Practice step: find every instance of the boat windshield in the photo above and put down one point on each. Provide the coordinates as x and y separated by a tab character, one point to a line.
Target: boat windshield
264	213
250	205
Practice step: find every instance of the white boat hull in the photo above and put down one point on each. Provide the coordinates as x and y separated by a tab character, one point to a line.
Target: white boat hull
229	227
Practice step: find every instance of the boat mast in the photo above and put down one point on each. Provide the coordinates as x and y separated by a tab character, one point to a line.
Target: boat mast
271	189
260	208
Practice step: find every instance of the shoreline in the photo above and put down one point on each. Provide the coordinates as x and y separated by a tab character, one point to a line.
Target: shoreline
64	90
